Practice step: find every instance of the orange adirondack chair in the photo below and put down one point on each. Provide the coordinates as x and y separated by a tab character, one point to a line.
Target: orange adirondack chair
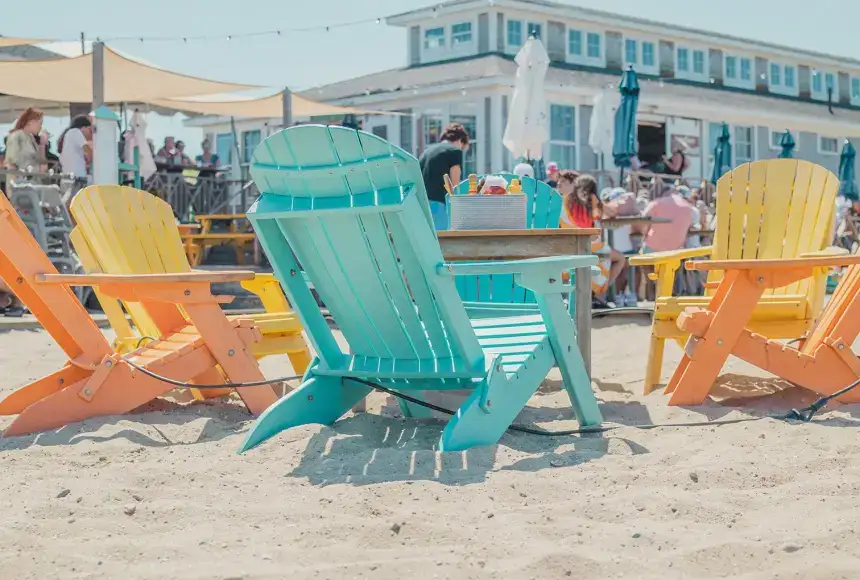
96	380
824	361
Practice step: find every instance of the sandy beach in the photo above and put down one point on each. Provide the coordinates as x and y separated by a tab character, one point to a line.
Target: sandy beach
163	494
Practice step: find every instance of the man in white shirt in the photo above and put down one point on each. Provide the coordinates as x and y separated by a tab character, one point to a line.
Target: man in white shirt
75	148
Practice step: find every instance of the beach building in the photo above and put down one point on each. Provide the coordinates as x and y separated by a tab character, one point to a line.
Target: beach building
459	67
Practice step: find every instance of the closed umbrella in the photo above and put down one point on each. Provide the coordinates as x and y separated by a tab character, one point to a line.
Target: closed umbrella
601	131
624	145
526	131
137	140
722	154
787	143
847	177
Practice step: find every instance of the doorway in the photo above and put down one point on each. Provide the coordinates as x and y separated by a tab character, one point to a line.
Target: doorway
652	142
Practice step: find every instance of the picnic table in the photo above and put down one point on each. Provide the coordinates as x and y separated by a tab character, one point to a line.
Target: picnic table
471	245
236	235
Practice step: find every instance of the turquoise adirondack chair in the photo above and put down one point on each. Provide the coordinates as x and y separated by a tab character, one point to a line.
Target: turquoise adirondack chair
499	294
352	209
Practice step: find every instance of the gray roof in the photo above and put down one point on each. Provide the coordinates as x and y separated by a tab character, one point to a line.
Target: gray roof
633	22
453	74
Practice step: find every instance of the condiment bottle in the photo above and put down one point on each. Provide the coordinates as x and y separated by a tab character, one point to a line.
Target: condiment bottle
473	184
515	186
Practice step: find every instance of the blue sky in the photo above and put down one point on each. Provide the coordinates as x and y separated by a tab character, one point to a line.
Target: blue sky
304	59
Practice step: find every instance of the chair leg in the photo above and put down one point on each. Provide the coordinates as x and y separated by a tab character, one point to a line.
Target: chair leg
17	401
655	364
478	424
319	400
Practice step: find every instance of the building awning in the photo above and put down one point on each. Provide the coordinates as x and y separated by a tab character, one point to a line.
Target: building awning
125	80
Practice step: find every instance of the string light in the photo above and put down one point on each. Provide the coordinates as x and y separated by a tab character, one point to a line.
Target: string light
242	35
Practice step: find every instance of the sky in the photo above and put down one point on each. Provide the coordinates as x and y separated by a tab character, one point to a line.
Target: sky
304	59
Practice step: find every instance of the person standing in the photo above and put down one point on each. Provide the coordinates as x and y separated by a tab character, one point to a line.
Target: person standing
437	161
23	151
75	148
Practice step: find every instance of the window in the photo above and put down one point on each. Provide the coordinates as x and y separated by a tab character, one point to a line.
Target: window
593	47
431	129
691	64
535	29
828	145
562	135
470	157
461	34
515	33
737	72
631	52
776	137
699	62
855	91
731	67
775	75
683	60
381	131
434	38
746	69
224	148
743	145
575	42
250	140
783	79
648	58
821	83
584	48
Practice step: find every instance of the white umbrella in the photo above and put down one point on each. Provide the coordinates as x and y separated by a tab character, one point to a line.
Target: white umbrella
526	131
137	138
601	133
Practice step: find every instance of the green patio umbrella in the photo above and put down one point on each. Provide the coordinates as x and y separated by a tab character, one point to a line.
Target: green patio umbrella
787	144
722	154
847	176
624	143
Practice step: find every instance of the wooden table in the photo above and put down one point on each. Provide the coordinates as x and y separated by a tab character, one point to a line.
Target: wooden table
538	243
196	242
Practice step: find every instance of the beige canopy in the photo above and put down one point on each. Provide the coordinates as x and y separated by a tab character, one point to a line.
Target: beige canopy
253	108
125	80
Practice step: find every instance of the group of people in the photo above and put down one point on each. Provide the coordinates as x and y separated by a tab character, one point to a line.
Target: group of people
28	147
585	205
172	152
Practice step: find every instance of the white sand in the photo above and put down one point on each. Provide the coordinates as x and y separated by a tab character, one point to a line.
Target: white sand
368	498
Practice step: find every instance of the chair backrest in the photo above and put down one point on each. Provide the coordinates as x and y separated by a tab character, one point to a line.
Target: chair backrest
128	231
353	210
775	208
544	202
840	319
55	307
543	211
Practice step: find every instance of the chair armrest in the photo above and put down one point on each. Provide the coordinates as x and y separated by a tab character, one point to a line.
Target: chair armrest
776	263
671	256
826	252
552	265
185	277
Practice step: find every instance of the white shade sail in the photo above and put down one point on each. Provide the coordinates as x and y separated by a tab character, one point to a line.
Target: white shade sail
253	108
526	130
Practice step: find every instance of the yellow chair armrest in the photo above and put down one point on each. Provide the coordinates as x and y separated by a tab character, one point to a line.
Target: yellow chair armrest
829	251
671	256
268	289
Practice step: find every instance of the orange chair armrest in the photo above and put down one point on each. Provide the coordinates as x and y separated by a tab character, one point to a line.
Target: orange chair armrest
775	264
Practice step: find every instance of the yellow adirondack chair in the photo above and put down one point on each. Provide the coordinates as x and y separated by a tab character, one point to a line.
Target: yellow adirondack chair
122	230
776	208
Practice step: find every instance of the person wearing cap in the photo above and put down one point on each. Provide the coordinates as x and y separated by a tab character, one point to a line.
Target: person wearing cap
552	174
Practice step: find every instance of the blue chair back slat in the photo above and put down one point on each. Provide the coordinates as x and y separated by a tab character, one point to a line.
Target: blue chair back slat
337	196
